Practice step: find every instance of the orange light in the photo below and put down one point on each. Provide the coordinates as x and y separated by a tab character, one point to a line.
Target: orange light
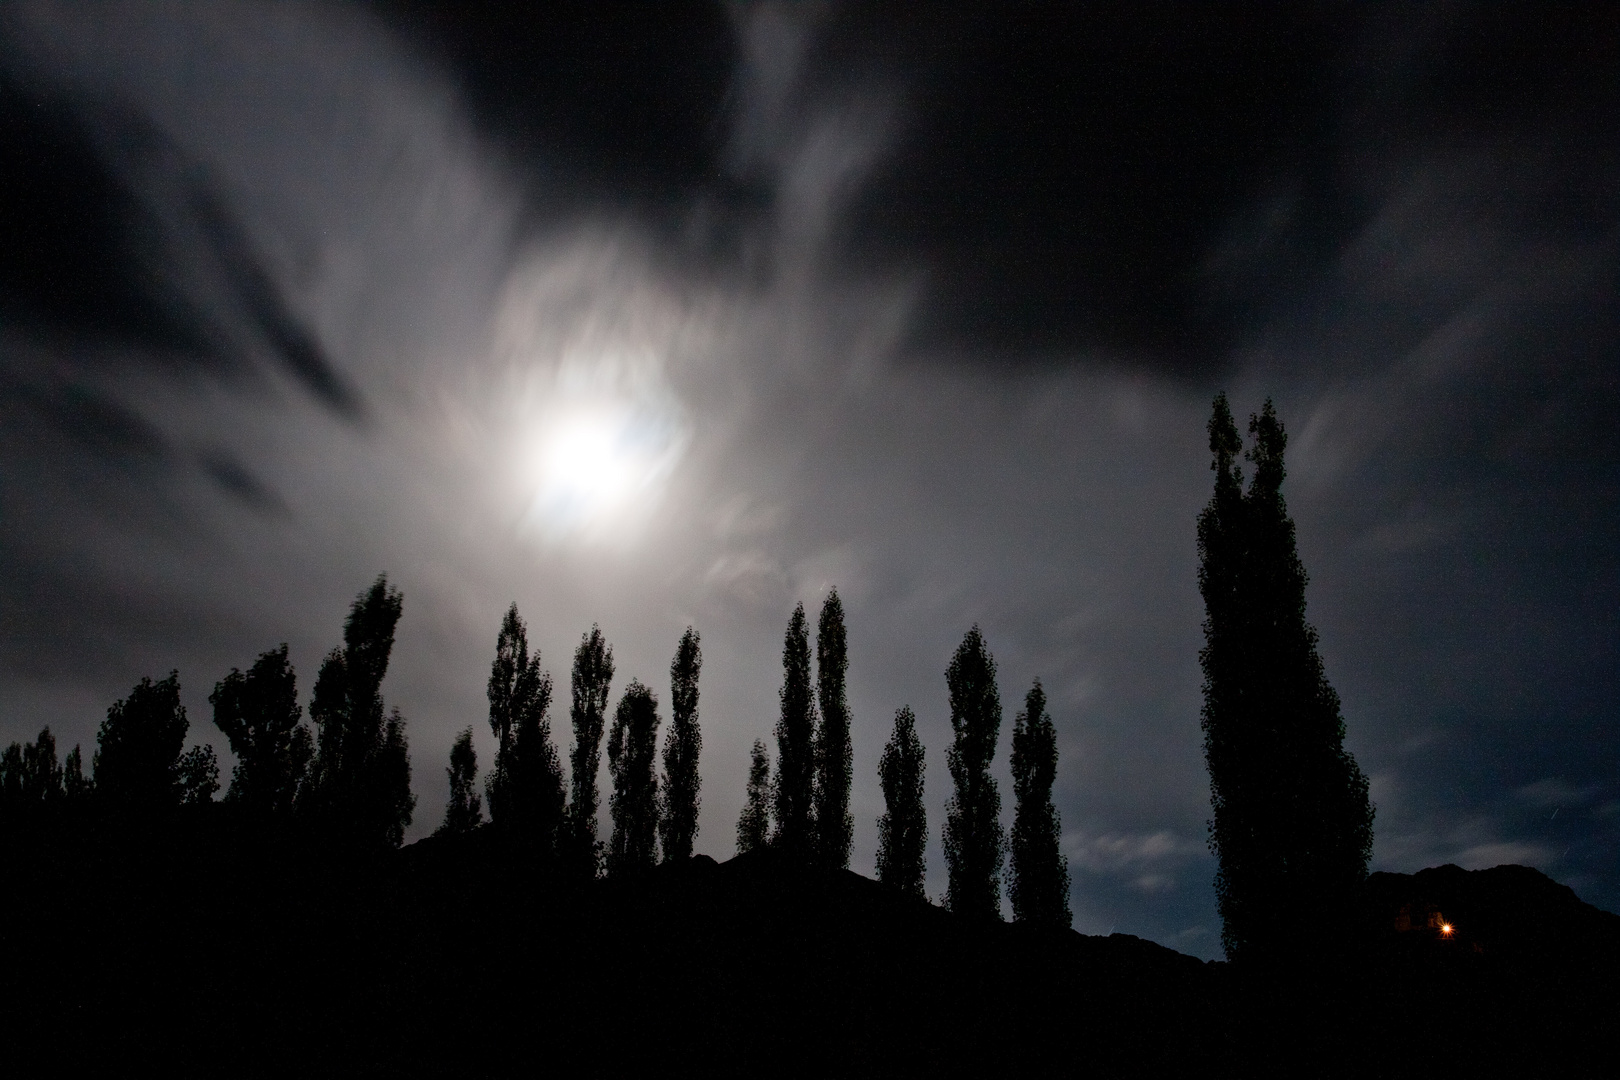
1445	930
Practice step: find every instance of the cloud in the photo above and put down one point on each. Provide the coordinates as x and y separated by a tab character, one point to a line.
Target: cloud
1553	791
1150	862
1491	836
266	309
235	479
751	577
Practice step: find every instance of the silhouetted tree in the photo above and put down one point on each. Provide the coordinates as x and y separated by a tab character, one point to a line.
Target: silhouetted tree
903	828
632	746
75	785
1292	824
465	810
137	760
754	824
31	779
199	775
1038	884
678	798
42	775
360	780
12	779
834	757
592	680
259	713
394	801
525	787
973	835
795	743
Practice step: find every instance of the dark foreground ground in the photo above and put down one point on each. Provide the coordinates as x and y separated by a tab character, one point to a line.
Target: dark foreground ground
209	947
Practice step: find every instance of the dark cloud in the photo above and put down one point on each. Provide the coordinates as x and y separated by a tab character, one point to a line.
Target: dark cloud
89	422
96	210
1144	184
78	242
1068	172
262	302
1154	183
236	480
619	99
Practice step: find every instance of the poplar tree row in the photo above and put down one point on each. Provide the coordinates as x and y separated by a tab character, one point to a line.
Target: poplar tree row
525	788
1292	824
350	780
349	777
808	798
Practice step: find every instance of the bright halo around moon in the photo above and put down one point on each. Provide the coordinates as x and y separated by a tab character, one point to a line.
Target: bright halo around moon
596	460
592	429
596	463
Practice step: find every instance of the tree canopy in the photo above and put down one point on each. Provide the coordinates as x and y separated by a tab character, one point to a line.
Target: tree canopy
754	823
525	786
1292	825
974	837
259	714
678	796
464	811
138	748
903	828
360	788
1038	884
795	743
835	828
632	746
592	682
34	785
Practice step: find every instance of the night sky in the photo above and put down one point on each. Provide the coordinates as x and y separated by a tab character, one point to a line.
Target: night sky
652	315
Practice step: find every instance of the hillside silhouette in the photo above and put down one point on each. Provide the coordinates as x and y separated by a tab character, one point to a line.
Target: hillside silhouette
216	944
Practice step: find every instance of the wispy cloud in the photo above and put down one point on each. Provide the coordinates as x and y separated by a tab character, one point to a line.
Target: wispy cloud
1150	863
1555	792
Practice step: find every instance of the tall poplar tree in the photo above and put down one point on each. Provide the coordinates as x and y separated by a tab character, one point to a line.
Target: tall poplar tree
632	747
903	828
795	743
359	786
1038	884
974	838
678	797
754	823
259	713
592	682
464	811
1292	825
41	774
15	805
525	786
834	756
75	785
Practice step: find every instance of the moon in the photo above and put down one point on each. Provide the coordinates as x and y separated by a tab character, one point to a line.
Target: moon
598	463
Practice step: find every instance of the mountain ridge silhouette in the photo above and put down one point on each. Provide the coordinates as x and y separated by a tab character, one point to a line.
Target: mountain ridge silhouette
211	943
